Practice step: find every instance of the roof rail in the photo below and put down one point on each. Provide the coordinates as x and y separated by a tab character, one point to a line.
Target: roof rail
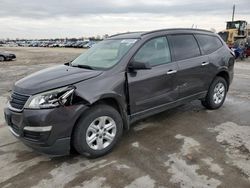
123	34
191	29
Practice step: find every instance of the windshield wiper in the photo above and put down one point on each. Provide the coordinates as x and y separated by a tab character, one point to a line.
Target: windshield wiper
84	67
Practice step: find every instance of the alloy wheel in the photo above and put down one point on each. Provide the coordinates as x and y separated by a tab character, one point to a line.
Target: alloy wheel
219	93
101	133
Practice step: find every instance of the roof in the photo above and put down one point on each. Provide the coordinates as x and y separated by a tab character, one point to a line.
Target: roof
139	34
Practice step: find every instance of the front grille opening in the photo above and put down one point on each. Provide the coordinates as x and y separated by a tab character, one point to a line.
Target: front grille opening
32	135
35	136
18	100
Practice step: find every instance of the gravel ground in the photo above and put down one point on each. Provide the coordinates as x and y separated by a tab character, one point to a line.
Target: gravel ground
188	146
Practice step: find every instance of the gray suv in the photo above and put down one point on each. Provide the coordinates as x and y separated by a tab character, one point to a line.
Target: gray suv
86	104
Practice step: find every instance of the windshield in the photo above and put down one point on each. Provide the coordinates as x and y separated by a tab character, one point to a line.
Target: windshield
105	54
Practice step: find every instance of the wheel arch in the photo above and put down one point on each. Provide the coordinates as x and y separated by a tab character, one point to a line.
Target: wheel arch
108	100
116	103
224	74
112	100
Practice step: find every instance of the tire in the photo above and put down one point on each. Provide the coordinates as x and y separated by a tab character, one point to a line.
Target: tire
89	128
214	101
2	58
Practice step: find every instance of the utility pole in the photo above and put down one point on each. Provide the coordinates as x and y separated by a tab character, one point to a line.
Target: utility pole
233	13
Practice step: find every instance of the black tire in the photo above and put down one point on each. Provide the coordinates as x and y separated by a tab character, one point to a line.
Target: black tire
80	131
209	102
2	58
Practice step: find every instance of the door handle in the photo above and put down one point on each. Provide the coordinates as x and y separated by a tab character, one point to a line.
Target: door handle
172	72
204	63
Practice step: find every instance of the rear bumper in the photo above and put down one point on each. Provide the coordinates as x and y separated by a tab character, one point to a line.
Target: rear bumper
47	131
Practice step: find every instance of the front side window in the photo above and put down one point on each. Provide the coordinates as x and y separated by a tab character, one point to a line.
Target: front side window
209	43
155	52
184	46
105	54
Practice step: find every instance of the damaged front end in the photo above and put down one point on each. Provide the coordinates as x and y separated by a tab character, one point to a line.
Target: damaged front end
47	120
51	99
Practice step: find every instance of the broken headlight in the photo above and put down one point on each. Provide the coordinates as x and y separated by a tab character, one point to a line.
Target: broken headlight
50	99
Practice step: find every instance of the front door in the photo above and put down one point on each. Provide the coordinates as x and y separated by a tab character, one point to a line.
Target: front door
149	89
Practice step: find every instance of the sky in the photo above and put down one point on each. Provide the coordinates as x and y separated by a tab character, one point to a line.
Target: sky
84	18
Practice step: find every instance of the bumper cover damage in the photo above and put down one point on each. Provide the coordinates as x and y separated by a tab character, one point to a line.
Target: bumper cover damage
47	131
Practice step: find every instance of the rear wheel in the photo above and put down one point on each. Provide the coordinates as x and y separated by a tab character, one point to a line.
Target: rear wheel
97	131
216	94
1	58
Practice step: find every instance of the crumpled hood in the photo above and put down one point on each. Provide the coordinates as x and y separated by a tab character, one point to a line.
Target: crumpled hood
51	78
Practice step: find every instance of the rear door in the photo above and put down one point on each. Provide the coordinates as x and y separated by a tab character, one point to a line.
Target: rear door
192	65
157	86
211	47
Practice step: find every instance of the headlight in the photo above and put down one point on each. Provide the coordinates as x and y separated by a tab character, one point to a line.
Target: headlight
50	99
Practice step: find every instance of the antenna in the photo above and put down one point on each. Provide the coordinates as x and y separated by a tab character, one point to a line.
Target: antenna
233	13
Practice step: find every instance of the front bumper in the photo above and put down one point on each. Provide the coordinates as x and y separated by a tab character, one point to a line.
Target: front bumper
61	147
10	57
46	130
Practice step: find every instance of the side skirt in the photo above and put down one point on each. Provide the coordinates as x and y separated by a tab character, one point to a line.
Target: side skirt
155	110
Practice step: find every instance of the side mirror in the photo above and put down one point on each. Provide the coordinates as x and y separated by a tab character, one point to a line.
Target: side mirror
134	65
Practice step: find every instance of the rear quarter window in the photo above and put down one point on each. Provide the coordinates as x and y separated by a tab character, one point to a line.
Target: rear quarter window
184	46
209	44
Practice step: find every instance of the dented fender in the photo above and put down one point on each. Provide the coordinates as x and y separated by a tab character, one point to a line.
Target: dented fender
112	87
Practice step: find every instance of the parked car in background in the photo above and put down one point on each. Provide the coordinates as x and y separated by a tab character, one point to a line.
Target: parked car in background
61	43
2	43
89	44
80	44
69	44
248	52
6	56
248	47
11	44
240	48
88	103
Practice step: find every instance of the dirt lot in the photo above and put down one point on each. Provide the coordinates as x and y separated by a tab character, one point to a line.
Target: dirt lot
188	146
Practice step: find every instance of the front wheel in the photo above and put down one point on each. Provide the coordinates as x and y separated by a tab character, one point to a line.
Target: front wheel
1	58
97	131
216	94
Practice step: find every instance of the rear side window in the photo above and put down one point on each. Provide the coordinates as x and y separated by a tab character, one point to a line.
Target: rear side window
209	43
184	46
155	52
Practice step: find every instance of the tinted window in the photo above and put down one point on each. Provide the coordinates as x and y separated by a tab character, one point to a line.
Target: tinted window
156	52
209	43
184	46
